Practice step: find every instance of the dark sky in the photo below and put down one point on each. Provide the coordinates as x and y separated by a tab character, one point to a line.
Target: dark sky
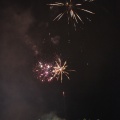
27	34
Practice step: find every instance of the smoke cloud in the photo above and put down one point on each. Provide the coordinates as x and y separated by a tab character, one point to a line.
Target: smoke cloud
20	94
50	116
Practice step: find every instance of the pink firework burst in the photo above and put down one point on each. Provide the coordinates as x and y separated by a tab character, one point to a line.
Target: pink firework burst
44	72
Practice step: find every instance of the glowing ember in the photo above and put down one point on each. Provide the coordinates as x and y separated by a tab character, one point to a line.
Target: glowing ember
43	71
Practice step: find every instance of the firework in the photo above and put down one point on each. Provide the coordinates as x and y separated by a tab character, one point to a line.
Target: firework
60	70
71	11
44	71
47	72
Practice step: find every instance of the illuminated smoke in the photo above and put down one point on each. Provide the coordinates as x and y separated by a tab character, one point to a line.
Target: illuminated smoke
51	116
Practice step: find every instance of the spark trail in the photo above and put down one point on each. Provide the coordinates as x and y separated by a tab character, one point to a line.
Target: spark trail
48	72
71	11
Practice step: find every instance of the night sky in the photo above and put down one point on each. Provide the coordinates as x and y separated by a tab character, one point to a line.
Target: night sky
27	34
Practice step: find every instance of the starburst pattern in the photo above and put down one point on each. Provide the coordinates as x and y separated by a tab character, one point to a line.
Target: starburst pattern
71	11
48	72
60	70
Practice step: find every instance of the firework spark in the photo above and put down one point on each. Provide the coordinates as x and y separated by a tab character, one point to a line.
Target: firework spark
61	69
63	93
71	11
48	72
44	72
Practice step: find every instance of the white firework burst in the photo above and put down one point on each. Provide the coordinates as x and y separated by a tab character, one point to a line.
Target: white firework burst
71	11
